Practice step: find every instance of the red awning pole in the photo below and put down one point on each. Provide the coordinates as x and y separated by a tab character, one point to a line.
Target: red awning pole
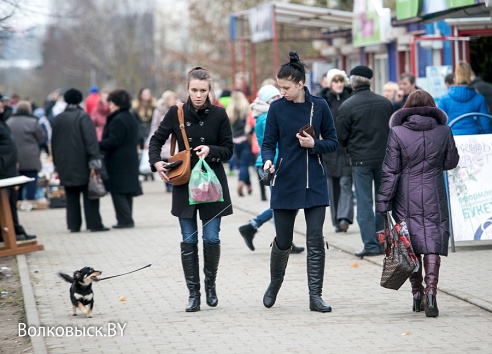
413	55
275	43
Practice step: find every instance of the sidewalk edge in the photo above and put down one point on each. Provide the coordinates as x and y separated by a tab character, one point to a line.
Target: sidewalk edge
32	315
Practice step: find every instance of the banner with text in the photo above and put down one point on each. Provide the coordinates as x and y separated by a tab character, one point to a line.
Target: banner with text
470	190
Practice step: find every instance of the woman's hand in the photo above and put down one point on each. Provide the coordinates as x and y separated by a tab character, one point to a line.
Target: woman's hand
268	167
305	140
202	151
161	169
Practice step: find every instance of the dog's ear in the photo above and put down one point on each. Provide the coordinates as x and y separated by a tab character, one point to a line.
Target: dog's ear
76	274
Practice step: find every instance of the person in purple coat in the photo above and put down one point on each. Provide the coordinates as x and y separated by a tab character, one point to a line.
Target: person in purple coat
420	147
299	180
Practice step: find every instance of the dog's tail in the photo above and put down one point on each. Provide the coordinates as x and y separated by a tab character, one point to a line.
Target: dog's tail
67	277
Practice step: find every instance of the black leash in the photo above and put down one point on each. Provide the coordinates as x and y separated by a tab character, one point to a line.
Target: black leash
265	177
133	271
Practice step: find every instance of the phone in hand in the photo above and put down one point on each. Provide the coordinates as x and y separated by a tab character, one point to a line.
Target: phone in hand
171	165
266	177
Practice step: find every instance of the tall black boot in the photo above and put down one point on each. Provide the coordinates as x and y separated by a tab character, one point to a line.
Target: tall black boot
432	263
211	256
416	280
189	259
315	272
278	263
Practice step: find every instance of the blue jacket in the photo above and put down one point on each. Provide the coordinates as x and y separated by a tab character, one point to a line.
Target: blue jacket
460	100
300	179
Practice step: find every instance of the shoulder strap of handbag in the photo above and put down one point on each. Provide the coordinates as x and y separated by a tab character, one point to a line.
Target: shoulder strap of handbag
311	116
182	128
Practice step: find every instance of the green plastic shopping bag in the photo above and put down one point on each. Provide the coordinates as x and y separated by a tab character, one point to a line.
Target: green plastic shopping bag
204	186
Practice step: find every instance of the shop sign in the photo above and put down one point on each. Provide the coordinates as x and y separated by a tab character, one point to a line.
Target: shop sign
470	191
406	9
261	23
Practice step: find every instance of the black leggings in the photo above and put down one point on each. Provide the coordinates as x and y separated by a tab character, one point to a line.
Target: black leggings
284	224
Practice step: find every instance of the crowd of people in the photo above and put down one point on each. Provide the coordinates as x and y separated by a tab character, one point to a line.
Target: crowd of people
346	147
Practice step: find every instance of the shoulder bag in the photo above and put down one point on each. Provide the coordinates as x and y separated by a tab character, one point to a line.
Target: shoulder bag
180	174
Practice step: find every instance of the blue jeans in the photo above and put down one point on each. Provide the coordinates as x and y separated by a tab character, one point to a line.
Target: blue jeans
210	232
367	179
244	157
262	218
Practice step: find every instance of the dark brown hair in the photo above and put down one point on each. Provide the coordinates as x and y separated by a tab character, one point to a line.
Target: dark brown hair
419	98
121	98
294	70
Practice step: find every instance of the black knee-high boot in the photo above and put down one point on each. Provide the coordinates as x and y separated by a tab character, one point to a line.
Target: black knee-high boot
315	272
416	280
189	259
432	263
278	263
211	256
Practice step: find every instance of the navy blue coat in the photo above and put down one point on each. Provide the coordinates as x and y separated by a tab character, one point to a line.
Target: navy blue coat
300	176
420	147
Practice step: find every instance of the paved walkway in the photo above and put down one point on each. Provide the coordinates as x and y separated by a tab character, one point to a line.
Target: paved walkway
365	319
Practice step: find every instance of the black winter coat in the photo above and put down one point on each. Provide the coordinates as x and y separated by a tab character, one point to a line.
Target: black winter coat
208	126
73	144
420	147
337	163
363	126
8	152
119	146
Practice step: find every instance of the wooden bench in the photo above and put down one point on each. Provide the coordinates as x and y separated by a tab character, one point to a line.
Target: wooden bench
11	246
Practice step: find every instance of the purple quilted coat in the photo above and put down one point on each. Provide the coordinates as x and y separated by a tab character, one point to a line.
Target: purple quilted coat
420	147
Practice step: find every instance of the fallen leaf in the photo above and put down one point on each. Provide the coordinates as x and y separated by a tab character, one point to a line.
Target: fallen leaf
406	333
122	298
355	265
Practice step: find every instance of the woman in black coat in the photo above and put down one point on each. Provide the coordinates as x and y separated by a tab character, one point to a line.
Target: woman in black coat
337	163
119	146
210	137
420	147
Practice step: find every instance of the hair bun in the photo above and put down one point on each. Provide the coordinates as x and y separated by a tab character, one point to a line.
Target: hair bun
293	57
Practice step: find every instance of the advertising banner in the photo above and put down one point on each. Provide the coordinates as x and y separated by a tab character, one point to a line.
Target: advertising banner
470	189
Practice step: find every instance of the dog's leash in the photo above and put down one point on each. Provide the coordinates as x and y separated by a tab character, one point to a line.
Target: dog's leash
133	271
150	264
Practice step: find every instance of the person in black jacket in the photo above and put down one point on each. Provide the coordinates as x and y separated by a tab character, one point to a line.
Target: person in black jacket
210	137
8	169
337	163
362	126
75	151
119	141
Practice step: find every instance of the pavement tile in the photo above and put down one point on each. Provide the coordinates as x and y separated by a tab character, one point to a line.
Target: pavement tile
365	319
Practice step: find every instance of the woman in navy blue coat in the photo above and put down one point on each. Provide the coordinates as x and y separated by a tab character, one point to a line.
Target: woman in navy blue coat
299	176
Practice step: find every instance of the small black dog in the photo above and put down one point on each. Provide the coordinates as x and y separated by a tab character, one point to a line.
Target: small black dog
81	293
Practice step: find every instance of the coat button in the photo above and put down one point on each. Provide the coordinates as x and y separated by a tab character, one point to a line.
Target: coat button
206	111
202	139
190	139
213	159
188	124
201	123
218	159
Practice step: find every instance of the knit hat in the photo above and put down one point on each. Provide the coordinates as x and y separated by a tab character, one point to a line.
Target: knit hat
362	70
93	89
73	96
335	72
267	92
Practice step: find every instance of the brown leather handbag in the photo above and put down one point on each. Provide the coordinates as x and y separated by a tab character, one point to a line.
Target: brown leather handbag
180	174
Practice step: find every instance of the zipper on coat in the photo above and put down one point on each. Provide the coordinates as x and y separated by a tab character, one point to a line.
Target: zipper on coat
321	164
276	171
307	168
